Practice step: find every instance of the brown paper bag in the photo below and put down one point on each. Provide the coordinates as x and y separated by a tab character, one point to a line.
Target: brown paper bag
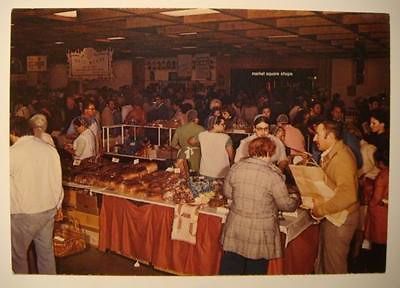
313	182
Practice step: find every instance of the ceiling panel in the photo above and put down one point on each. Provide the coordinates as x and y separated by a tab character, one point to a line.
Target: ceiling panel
332	29
254	14
365	18
368	28
152	34
302	22
239	25
349	35
267	33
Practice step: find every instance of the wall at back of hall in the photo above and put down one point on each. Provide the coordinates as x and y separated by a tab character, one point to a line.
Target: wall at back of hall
376	79
122	70
335	75
320	65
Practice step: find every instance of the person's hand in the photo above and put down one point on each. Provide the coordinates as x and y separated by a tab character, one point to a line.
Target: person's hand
317	201
68	147
307	202
59	215
315	215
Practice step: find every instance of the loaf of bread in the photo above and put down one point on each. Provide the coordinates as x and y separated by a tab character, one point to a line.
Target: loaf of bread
151	167
130	175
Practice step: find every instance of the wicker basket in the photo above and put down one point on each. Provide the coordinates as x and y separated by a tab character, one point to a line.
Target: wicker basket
68	238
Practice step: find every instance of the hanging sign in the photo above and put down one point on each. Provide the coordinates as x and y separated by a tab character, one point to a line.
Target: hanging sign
263	73
36	63
90	64
202	66
184	66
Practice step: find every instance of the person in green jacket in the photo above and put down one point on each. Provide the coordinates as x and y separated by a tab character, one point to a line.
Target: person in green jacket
183	137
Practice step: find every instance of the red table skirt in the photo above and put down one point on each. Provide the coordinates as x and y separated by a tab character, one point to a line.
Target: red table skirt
143	232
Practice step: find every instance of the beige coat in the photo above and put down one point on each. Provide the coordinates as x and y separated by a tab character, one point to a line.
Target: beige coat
341	168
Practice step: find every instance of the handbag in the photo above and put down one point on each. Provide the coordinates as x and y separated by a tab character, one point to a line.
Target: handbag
68	237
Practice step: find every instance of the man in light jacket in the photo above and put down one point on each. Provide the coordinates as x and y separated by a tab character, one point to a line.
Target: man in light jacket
35	193
339	164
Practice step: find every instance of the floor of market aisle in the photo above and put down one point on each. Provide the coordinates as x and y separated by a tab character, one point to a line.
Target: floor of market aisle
95	262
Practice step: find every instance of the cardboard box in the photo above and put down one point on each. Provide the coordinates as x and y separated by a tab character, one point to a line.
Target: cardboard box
85	220
91	237
87	203
69	200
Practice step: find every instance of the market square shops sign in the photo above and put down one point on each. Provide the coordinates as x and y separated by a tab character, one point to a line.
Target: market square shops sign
260	73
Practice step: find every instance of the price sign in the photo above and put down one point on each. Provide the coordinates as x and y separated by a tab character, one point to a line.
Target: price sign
76	162
115	160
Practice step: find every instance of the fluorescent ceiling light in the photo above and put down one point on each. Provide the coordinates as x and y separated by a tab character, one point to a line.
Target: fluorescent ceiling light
189	12
59	42
283	36
116	38
69	14
102	40
188	33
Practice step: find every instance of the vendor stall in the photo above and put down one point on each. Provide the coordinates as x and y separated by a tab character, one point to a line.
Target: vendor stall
173	223
140	229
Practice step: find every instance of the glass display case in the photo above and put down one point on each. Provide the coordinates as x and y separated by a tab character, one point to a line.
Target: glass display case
139	141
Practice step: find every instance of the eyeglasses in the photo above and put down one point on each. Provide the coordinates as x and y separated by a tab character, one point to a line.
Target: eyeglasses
262	128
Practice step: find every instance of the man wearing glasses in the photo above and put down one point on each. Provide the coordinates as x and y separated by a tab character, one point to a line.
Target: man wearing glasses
261	129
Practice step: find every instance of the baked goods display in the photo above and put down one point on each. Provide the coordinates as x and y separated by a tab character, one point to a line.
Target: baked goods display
165	123
106	173
154	152
145	181
166	152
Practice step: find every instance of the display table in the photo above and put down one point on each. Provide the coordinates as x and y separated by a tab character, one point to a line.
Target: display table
143	232
140	228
